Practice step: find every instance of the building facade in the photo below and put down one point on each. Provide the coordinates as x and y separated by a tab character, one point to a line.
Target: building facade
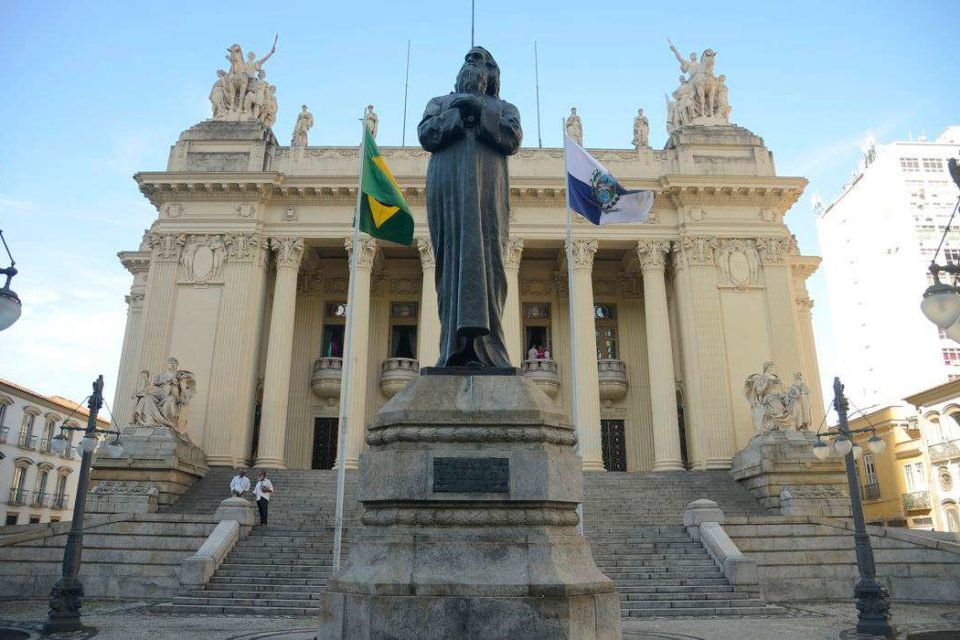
36	484
878	238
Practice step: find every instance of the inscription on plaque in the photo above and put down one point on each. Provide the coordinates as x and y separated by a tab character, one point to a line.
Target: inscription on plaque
471	475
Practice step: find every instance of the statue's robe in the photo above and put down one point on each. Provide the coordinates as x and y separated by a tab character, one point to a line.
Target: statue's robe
468	211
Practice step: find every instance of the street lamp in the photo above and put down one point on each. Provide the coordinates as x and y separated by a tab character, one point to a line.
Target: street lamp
10	307
873	599
65	597
941	302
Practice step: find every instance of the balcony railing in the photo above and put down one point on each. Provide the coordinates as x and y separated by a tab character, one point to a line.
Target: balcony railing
27	441
45	445
41	500
60	501
544	373
613	380
68	453
4	431
396	373
326	379
945	451
916	500
871	492
18	496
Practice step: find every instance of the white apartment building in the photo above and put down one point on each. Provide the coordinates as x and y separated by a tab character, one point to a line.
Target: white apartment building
36	484
878	239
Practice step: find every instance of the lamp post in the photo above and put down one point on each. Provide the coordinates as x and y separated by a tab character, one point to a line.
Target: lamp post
66	594
10	307
873	599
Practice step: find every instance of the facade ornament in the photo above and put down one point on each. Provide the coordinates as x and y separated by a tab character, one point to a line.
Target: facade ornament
583	250
369	248
698	250
772	250
173	210
606	287
163	405
427	259
641	131
310	281
574	127
336	285
378	283
631	286
804	304
535	287
290	214
134	262
245	210
772	407
652	253
289	251
702	98
242	94
244	246
561	284
513	254
300	129
738	262
166	247
202	259
371	120
405	286
135	299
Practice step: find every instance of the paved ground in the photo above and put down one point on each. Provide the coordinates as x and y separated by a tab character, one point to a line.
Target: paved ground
131	620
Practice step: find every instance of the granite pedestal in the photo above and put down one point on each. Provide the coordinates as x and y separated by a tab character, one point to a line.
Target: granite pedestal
470	487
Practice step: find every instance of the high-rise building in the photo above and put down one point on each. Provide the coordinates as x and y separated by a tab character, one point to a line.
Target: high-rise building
878	238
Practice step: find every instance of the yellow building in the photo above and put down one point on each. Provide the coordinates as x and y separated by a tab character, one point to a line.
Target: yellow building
938	413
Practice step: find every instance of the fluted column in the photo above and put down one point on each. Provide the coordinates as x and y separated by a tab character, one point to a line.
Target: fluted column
666	431
138	264
587	414
353	405
307	337
160	300
808	347
428	341
784	332
511	309
276	389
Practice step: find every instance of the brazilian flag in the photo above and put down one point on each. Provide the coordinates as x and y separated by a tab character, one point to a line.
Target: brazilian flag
384	214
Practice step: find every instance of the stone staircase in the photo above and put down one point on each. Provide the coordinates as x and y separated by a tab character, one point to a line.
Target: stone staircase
634	522
279	569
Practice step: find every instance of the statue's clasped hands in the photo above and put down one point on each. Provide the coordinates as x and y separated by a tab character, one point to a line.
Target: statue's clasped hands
469	106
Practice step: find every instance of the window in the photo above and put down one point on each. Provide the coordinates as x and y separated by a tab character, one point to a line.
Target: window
932	164
951	357
913	474
17	493
869	469
42	486
605	317
48	432
3	413
34	519
12	519
403	329
952	517
909	164
536	330
332	344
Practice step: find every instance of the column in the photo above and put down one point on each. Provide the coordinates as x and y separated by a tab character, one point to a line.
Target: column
428	333
307	336
808	348
276	389
511	310
138	264
353	404
587	414
666	430
160	299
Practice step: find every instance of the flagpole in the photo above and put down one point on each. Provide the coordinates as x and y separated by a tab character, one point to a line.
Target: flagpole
347	360
536	73
406	85
574	375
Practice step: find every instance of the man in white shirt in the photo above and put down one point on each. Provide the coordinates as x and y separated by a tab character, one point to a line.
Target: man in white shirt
263	491
240	484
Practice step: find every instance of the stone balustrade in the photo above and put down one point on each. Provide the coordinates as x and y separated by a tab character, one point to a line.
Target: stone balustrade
396	373
613	380
916	500
326	379
544	373
944	451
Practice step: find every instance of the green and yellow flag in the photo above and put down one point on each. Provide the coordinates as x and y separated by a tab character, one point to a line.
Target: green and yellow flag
384	214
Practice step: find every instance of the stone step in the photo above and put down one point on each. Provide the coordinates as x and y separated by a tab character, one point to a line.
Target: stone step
267	581
674	589
269	603
680	597
255	590
236	610
759	610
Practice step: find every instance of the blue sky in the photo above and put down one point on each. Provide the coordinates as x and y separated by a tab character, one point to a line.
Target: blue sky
95	91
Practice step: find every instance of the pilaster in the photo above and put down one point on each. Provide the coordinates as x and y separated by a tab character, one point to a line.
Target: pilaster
511	310
428	347
801	269
160	299
138	264
782	319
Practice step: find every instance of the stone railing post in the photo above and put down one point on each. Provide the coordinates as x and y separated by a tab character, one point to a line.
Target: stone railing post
236	517
702	520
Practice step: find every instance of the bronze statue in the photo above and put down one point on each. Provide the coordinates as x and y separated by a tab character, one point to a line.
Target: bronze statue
470	133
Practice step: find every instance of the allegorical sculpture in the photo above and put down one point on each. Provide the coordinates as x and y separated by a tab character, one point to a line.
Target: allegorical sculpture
574	126
641	131
701	98
163	405
370	120
242	93
469	134
300	129
773	407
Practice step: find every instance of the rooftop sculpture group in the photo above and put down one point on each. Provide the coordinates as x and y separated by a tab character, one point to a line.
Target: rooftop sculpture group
701	97
242	93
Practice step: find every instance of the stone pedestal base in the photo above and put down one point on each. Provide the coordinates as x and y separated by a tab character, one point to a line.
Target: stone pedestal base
780	470
155	460
470	487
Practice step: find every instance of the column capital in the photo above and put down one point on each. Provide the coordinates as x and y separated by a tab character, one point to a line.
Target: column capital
289	251
136	262
583	250
773	250
427	259
245	247
694	251
369	248
165	247
135	300
652	254
513	253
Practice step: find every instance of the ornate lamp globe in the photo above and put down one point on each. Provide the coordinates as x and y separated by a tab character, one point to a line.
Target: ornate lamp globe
953	332
88	444
114	448
876	444
10	307
941	304
59	444
821	450
857	452
843	445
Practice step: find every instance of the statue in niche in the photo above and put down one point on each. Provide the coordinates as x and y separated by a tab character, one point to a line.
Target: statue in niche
574	127
371	120
300	129
641	131
242	93
701	98
163	405
469	134
774	408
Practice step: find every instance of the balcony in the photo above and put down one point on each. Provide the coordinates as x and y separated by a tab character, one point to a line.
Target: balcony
45	445
18	496
944	451
613	380
27	441
4	431
544	373
396	373
326	378
60	501
916	501
871	492
41	500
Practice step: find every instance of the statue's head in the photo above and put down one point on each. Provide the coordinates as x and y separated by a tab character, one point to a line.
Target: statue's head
304	108
709	53
721	78
261	74
798	376
479	74
172	364
370	108
221	73
235	48
768	366
639	112
693	56
573	111
251	56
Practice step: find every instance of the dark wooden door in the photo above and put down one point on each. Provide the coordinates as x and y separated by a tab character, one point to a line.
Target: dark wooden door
324	443
613	445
